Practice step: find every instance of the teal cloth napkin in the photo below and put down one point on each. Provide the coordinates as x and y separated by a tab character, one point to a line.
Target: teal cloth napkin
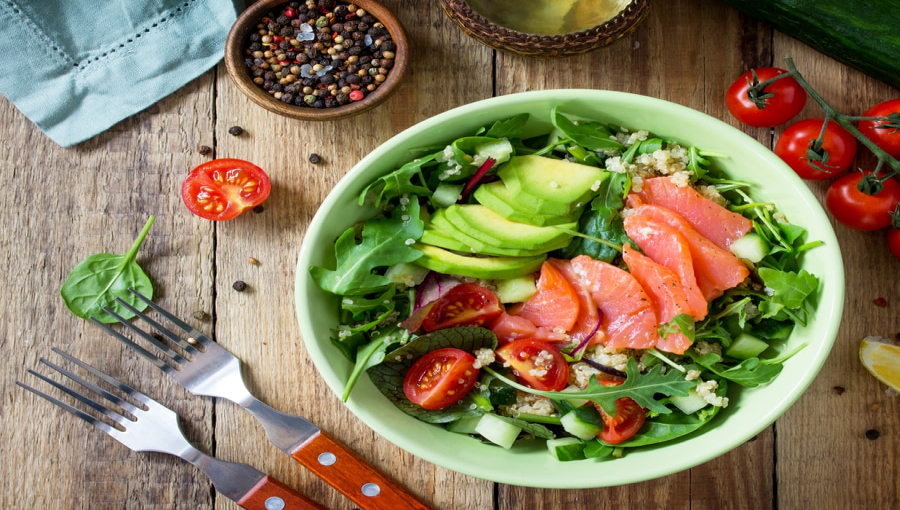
77	67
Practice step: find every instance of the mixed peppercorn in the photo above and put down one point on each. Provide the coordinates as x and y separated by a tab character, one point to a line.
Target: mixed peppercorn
319	53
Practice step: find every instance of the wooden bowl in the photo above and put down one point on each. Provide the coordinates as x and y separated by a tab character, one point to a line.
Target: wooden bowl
546	28
248	22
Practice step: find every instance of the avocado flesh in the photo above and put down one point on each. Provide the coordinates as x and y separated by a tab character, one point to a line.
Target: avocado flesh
497	197
488	268
550	186
482	223
440	232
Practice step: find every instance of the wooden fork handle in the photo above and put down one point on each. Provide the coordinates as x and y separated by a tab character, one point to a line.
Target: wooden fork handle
347	472
269	493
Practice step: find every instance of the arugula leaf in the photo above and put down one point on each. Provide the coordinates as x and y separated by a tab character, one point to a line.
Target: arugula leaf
98	280
389	374
789	290
508	128
591	135
535	429
641	387
383	243
408	179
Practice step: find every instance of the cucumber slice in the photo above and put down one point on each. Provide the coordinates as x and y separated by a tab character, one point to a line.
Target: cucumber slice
583	422
500	151
576	402
446	194
690	403
746	346
566	448
751	247
406	274
516	290
497	431
465	425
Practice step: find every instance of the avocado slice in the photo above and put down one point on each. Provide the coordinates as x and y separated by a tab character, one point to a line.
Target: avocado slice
488	268
497	197
482	223
440	232
559	182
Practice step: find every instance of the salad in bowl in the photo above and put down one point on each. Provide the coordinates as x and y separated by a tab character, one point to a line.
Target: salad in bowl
566	284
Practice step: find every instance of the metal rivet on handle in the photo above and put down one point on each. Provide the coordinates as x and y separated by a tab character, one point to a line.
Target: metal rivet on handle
274	503
371	490
327	458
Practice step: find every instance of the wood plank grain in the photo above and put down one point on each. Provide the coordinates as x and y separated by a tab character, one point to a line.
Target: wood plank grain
841	468
259	325
89	199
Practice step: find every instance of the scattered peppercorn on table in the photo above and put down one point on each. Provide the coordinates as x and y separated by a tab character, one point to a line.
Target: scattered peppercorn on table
837	447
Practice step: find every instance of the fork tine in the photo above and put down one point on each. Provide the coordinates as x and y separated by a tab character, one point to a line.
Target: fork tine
187	328
162	329
128	390
153	358
74	410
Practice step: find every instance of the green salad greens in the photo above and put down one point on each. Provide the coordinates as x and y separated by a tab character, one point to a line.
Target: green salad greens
484	215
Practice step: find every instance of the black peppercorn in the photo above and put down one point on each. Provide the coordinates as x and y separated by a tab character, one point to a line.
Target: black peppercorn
258	209
239	286
235	130
872	434
314	158
204	149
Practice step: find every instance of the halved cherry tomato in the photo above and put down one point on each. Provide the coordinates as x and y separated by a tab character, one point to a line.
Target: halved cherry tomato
886	137
788	98
538	364
629	418
222	189
466	304
857	210
440	378
838	142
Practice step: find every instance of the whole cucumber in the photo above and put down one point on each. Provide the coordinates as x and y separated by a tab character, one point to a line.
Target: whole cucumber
863	34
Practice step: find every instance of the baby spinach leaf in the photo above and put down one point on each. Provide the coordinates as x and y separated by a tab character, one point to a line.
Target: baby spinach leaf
388	375
98	280
508	128
384	242
408	179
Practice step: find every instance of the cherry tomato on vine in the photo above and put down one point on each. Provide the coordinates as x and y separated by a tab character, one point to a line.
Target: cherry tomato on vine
440	378
222	189
466	304
838	143
537	363
893	241
860	211
629	419
888	137
788	98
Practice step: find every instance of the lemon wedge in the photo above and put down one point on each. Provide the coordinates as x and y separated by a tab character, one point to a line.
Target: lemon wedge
882	360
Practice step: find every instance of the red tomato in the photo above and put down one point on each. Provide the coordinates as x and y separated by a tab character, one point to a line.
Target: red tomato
466	304
788	98
440	378
887	138
537	363
222	189
796	139
629	418
893	241
857	210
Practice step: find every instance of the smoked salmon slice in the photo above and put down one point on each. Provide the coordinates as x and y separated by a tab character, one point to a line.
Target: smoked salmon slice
666	293
588	316
715	268
715	222
667	247
627	315
555	305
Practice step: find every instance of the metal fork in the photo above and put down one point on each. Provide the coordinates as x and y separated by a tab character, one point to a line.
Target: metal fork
152	427
206	368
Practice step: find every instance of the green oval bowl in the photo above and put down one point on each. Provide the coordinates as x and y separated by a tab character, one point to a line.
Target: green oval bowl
529	463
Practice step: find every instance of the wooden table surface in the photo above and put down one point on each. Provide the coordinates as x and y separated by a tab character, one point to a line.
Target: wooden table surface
62	205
